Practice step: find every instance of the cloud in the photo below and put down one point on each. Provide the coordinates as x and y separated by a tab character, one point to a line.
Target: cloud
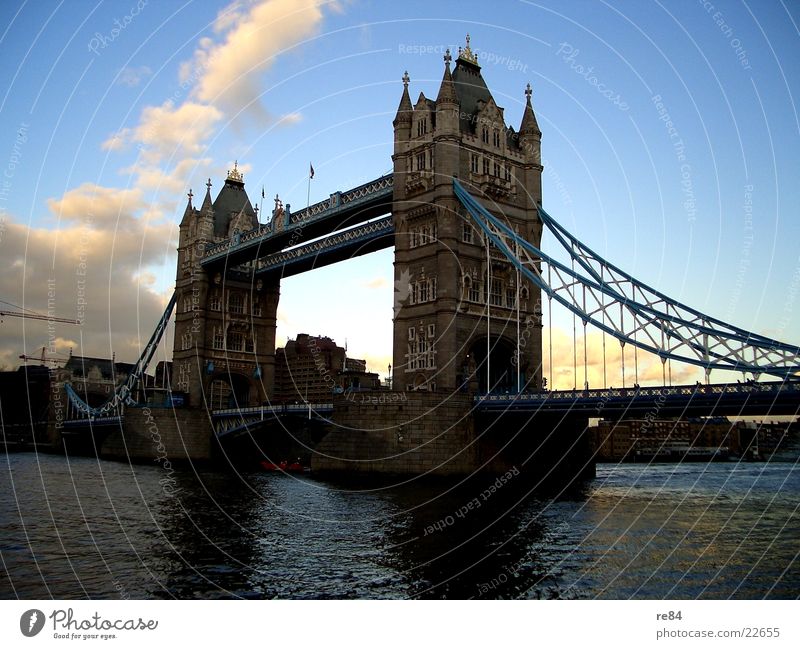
376	283
649	365
91	204
94	272
250	37
132	77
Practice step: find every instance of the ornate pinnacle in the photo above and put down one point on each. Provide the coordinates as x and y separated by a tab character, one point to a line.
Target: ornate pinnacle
406	79
208	184
447	57
467	55
528	92
235	174
190	194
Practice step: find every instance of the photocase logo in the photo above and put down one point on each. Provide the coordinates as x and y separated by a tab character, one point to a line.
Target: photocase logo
401	290
31	622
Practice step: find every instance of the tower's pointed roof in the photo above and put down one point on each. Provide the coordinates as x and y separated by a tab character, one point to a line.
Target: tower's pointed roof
405	109
231	201
529	125
471	89
447	91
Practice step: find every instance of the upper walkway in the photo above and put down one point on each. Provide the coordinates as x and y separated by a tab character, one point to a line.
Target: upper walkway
340	210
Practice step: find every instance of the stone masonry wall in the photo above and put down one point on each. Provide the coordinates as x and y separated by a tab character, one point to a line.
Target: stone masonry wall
399	433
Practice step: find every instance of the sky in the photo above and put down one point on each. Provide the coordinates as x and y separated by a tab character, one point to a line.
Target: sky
671	146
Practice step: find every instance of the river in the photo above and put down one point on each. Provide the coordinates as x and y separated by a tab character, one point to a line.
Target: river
79	527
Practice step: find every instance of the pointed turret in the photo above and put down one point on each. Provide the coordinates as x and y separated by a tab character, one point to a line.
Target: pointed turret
404	110
207	204
447	91
447	104
529	124
187	214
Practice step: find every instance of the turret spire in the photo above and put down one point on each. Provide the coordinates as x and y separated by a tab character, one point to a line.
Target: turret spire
529	124
405	109
207	204
447	91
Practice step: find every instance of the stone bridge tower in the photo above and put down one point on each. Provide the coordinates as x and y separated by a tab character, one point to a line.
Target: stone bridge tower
441	281
224	347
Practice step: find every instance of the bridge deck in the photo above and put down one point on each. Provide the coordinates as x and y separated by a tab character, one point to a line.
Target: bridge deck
769	398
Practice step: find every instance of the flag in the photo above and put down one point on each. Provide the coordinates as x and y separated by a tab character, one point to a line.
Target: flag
310	170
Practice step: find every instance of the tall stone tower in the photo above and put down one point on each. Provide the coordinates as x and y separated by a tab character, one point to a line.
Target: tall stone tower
224	347
450	301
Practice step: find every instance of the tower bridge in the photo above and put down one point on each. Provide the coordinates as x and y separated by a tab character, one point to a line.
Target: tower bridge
462	209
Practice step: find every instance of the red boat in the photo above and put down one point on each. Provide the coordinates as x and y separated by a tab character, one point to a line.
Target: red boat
285	466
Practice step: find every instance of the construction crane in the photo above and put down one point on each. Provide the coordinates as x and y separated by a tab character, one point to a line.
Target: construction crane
32	315
44	358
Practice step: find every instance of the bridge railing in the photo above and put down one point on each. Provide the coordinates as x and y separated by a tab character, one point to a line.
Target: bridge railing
771	387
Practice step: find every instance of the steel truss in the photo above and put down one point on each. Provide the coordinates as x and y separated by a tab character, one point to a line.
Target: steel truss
629	310
122	395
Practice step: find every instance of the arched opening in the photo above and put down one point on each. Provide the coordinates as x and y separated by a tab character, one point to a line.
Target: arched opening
229	391
502	371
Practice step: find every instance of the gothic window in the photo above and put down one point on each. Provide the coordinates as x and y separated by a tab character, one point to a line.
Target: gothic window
248	344
434	286
186	341
235	303
485	135
486	166
511	296
216	302
497	169
496	137
235	341
187	304
423	292
412	333
497	292
420	161
473	163
414	238
508	173
257	307
414	299
422	126
475	292
219	340
466	232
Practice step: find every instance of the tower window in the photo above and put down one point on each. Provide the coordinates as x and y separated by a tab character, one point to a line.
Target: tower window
485	135
485	166
216	302
235	303
508	173
497	169
422	126
466	232
496	137
420	161
235	341
473	163
219	340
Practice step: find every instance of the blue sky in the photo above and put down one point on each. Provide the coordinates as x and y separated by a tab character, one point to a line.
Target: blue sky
121	124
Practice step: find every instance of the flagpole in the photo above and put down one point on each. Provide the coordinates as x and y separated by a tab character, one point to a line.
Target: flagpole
308	195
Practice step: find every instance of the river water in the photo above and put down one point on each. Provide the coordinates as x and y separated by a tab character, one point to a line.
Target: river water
78	527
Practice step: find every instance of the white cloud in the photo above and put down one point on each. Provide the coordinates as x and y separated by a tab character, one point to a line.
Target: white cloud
251	36
132	76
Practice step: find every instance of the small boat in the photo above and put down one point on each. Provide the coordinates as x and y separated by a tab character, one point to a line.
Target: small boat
285	466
